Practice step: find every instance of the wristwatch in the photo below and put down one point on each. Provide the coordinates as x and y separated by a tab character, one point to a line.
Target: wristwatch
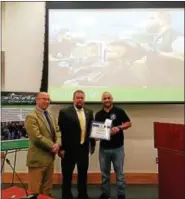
119	127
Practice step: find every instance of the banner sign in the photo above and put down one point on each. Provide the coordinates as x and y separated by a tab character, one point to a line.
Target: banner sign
15	107
17	98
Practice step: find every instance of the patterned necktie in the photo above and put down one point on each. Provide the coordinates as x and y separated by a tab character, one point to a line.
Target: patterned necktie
82	125
50	125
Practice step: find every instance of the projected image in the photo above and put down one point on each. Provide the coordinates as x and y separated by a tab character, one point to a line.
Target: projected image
135	54
13	131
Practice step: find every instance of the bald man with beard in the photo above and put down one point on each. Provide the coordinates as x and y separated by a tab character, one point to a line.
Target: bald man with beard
112	151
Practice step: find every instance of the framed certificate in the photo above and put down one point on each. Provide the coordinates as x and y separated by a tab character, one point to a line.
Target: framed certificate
100	130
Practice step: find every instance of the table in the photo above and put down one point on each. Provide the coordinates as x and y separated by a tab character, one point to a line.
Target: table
17	192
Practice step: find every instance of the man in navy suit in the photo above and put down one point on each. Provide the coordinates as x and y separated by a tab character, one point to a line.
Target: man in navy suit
75	124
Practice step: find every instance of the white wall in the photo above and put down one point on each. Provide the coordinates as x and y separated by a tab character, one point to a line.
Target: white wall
2	24
139	142
23	43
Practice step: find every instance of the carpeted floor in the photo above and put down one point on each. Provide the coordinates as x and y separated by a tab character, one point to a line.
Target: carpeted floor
132	191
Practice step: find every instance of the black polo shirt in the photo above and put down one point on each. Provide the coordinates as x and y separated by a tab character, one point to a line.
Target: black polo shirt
118	116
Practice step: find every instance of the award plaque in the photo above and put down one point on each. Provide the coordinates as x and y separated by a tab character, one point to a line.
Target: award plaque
101	130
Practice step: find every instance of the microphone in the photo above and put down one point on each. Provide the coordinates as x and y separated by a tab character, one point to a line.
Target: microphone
28	196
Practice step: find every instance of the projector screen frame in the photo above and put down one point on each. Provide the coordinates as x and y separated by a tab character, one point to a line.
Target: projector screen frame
99	5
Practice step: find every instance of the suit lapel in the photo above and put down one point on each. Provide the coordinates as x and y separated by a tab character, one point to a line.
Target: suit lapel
52	121
86	120
86	117
74	113
41	117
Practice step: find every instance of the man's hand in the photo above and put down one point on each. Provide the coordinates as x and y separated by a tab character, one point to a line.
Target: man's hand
55	148
61	153
114	130
92	149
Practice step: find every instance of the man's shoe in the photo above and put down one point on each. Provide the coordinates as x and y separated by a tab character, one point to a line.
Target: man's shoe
67	196
121	197
104	196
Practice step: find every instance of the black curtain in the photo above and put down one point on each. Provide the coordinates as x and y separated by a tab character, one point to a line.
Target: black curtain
44	80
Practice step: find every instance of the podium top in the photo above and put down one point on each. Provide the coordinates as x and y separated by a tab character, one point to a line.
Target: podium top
169	136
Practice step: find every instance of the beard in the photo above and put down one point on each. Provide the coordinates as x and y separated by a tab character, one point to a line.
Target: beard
108	105
78	106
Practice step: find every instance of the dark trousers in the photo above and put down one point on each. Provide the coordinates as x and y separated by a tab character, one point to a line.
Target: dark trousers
80	157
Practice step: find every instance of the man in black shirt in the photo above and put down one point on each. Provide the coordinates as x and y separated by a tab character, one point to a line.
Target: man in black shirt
112	150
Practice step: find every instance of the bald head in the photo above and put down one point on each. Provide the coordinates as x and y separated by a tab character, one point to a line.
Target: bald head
106	94
107	99
40	94
42	100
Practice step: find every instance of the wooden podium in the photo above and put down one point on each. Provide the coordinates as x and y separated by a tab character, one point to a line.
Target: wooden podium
169	139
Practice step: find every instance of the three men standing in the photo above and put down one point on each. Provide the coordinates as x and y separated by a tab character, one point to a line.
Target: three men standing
73	144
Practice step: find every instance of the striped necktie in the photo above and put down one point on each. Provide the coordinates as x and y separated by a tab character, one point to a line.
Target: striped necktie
50	125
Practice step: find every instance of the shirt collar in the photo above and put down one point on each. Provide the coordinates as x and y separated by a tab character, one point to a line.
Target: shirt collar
40	110
109	110
82	109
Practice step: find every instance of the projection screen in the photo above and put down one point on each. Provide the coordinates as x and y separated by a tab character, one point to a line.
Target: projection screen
136	54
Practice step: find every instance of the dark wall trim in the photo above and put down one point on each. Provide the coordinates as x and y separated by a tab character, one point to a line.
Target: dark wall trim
44	80
113	4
